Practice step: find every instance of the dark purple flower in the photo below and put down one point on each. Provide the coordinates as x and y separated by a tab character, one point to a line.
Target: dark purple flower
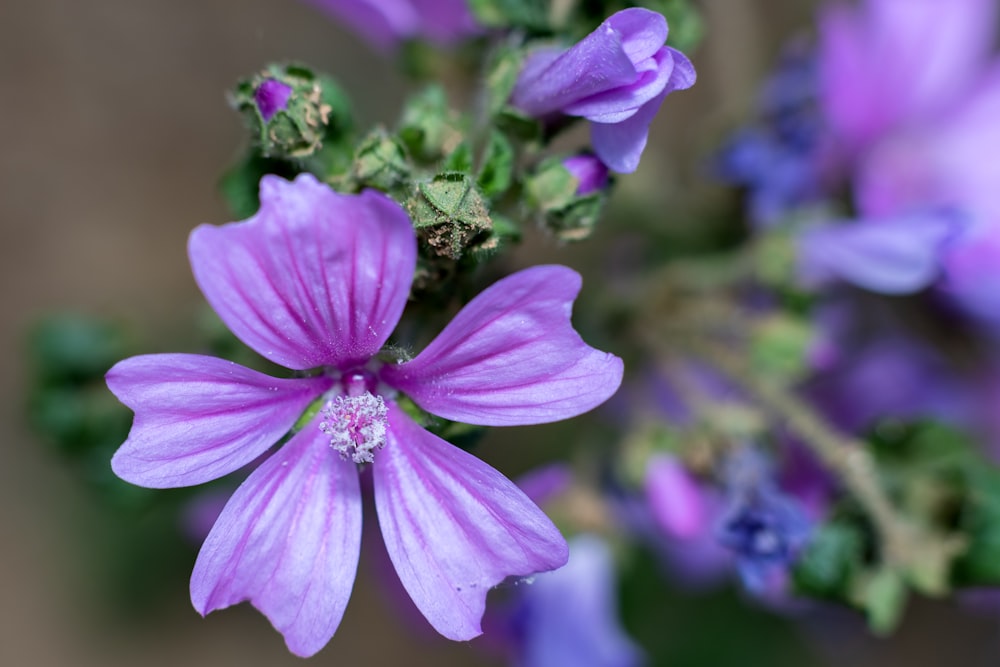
591	174
764	527
616	78
386	23
271	96
777	158
318	280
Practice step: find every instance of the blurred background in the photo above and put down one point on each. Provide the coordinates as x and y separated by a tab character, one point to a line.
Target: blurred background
116	131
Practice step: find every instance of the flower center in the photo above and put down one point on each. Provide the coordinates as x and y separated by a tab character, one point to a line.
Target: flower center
356	425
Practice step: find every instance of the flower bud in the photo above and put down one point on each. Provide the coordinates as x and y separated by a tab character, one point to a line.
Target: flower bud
380	161
569	194
290	110
449	214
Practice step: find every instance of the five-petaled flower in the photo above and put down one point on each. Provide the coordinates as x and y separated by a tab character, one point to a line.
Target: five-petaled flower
318	280
616	77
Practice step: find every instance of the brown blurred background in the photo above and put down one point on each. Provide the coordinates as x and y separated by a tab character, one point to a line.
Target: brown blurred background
115	133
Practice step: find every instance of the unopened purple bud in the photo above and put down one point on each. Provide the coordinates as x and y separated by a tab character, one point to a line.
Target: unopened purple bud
590	173
616	78
271	96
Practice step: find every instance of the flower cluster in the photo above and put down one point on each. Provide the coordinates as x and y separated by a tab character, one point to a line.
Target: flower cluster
812	412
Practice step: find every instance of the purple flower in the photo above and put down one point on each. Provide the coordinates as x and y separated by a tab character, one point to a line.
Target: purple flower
616	78
888	63
569	617
386	23
764	527
898	255
677	501
777	158
271	96
591	174
318	280
683	512
923	116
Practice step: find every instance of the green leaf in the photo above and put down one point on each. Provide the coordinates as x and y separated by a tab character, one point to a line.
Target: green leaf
240	185
498	165
70	348
530	14
778	345
833	554
459	160
428	127
519	125
980	522
883	597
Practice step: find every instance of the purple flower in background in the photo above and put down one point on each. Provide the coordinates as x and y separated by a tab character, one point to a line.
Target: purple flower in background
884	64
271	96
590	173
777	158
764	527
912	101
386	23
899	255
318	280
616	78
569	618
684	511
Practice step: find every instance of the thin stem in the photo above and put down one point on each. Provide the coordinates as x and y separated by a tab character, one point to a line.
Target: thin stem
906	545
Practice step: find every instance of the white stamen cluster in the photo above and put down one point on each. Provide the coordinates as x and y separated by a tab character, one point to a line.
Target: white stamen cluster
356	425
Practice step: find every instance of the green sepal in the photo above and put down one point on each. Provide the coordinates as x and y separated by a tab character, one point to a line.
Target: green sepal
307	415
449	214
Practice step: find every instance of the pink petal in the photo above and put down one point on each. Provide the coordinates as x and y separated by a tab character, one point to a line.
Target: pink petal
511	357
315	278
642	31
620	144
454	527
675	498
596	64
887	63
198	418
288	541
617	105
